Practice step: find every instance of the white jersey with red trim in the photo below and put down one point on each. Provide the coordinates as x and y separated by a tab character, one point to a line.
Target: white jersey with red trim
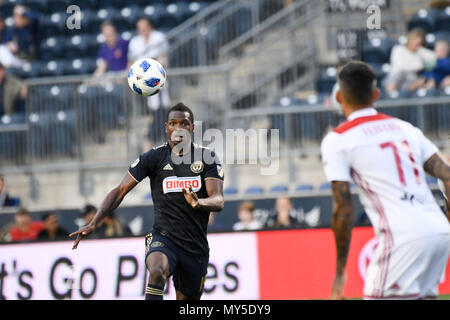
384	157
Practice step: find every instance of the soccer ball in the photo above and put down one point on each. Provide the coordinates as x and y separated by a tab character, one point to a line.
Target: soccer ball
146	77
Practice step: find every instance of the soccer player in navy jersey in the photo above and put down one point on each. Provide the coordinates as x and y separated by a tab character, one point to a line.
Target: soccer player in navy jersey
187	184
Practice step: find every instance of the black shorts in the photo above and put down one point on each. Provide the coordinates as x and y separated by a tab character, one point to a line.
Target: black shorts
189	272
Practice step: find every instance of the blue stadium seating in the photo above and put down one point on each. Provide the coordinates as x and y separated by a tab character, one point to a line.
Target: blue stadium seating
327	79
424	19
376	50
254	190
52	68
80	66
304	187
443	20
76	46
230	190
279	188
325	186
52	48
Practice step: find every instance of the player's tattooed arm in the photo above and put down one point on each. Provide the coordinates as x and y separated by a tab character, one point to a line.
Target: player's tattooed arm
342	221
214	201
439	167
342	224
110	203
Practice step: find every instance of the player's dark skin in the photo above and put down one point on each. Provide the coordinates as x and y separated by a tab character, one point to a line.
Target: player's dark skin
157	262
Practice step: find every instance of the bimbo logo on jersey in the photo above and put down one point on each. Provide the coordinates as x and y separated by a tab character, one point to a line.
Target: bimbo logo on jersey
176	184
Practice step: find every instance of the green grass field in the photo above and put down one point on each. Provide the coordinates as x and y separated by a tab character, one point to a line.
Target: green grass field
444	297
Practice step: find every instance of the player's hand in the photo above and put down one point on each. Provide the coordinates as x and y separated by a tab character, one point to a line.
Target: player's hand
82	233
191	197
337	292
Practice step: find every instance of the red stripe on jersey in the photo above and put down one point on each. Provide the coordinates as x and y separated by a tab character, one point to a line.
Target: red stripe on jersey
356	122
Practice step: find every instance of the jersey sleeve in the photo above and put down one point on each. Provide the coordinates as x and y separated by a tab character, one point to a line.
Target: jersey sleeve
143	166
335	161
427	147
213	166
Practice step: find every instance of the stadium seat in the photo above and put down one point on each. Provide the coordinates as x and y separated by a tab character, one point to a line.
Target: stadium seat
7	7
327	79
279	188
80	66
424	19
29	70
230	190
304	187
127	18
53	25
76	46
52	68
154	12
291	101
102	15
52	48
325	186
58	5
376	50
443	20
37	5
254	190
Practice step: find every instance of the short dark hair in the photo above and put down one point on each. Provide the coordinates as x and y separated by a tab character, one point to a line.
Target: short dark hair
88	208
106	24
45	216
180	107
146	18
357	82
21	211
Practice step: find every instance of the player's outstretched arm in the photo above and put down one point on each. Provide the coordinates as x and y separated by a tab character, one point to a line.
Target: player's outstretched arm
110	203
439	167
214	202
342	224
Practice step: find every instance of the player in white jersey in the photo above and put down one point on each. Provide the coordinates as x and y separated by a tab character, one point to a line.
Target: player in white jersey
387	159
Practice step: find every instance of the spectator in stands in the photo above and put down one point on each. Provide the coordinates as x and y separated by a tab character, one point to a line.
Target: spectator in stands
113	227
407	62
2	28
246	218
52	230
25	229
113	53
23	38
284	215
5	199
439	76
7	58
87	214
153	44
12	93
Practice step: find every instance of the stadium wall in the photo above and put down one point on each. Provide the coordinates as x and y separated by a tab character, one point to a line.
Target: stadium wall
290	264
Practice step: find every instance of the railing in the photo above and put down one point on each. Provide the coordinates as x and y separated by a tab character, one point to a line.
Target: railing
302	127
197	41
72	123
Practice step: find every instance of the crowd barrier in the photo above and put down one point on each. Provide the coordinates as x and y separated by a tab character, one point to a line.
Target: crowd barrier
289	264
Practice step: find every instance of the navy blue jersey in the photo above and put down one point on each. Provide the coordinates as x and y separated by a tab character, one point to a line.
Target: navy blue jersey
174	217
